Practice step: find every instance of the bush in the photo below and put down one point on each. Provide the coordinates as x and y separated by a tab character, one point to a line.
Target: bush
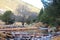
8	18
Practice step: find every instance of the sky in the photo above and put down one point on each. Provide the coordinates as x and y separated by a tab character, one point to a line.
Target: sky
36	3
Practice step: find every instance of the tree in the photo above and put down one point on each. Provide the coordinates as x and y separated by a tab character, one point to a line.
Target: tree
40	14
0	16
51	12
30	20
54	10
25	14
8	17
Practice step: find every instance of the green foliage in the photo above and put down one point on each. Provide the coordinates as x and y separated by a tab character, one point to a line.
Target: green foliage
40	14
0	16
28	21
7	17
50	13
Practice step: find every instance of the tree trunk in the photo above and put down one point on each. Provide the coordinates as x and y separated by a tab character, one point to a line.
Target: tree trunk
23	24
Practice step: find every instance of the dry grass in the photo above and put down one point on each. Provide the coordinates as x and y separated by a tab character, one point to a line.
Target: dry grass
4	35
37	24
56	38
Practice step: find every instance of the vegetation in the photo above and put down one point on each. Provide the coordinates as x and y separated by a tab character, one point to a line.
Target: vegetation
0	16
29	20
8	18
5	35
51	13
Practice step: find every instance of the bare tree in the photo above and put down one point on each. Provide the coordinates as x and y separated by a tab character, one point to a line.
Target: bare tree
23	11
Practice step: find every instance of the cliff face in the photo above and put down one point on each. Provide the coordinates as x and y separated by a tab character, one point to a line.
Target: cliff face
13	4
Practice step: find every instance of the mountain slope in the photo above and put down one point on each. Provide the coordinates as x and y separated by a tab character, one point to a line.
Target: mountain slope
12	5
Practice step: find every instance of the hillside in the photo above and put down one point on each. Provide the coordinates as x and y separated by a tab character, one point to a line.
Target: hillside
12	5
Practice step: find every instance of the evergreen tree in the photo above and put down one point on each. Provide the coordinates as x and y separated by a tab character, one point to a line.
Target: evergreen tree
8	18
51	12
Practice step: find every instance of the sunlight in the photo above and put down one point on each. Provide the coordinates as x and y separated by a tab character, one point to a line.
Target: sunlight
36	3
